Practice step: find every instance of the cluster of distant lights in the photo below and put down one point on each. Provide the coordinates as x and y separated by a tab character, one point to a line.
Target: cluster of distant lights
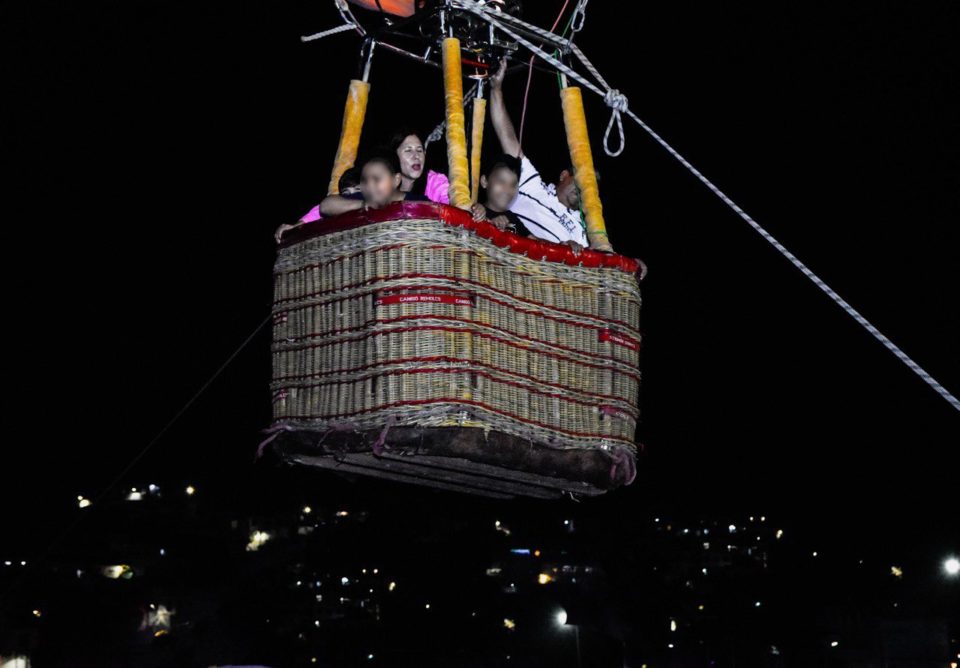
135	494
951	565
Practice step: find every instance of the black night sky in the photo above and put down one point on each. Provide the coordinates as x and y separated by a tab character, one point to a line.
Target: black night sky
153	147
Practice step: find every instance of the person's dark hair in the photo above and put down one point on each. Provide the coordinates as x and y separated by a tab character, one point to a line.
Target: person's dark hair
505	161
349	179
389	160
401	133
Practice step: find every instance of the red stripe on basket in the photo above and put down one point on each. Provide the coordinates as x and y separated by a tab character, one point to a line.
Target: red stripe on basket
400	330
412	372
457	360
449	400
445	277
406	372
619	339
423	298
541	305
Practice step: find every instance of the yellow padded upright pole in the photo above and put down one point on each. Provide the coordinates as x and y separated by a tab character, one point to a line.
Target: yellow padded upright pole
353	115
456	134
476	145
578	141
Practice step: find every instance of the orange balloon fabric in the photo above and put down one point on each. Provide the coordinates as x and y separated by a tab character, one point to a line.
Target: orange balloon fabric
395	7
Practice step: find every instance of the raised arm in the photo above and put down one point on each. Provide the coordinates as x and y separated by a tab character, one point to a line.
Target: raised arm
334	205
502	124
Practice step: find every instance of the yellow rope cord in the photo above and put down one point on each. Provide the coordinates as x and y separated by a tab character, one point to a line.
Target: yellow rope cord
575	121
353	115
476	145
456	133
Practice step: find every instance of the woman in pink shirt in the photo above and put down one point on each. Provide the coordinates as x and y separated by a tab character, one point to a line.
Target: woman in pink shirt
418	185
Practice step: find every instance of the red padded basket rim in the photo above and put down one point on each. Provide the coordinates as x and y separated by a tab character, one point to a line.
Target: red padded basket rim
536	249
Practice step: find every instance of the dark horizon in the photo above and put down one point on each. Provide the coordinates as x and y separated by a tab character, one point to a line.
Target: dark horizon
154	148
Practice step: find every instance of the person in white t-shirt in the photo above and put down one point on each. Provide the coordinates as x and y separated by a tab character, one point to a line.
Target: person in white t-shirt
551	212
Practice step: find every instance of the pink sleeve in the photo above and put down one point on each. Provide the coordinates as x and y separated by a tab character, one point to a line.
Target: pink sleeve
312	215
438	187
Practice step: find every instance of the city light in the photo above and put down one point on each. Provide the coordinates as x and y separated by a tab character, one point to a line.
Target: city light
952	566
36	613
896	571
544	578
732	528
135	495
257	540
342	513
834	643
191	490
83	502
561	617
307	510
509	624
392	586
118	571
779	534
673	625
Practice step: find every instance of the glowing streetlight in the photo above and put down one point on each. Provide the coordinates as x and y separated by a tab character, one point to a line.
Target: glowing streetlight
190	490
257	540
561	617
951	566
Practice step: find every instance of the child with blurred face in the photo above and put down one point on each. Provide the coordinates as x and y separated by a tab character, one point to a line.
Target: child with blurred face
500	183
380	181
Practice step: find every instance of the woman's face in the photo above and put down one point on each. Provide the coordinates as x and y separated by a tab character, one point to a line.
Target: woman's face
410	154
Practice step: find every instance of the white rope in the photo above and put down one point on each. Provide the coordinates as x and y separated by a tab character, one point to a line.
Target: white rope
618	103
611	96
326	33
841	302
436	135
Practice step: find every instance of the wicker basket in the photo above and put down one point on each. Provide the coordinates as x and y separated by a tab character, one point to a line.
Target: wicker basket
415	344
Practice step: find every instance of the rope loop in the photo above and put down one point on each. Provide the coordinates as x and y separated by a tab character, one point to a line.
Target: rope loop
618	104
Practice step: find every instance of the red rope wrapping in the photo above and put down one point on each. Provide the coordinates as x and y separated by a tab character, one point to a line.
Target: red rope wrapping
536	249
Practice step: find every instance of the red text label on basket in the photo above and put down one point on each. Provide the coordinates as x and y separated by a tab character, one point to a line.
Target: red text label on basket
423	298
612	337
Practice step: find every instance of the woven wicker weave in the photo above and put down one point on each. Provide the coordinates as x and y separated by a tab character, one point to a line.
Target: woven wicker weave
408	317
